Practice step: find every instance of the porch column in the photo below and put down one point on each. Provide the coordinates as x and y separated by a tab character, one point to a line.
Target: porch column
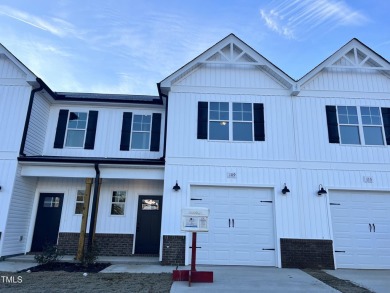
84	219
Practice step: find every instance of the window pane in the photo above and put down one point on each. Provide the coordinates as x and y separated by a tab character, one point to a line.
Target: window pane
137	126
137	118
374	111
352	119
140	140
219	130
51	202
342	110
237	116
242	131
349	134
351	110
247	107
366	120
79	208
247	116
373	135
75	138
214	115
376	120
343	119
237	106
365	110
117	209
118	196
150	205
224	115
224	106
214	106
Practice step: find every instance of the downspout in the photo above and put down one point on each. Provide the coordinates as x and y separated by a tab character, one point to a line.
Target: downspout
42	86
92	222
28	116
166	118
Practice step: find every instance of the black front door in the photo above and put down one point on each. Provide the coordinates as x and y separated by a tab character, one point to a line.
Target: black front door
148	225
47	222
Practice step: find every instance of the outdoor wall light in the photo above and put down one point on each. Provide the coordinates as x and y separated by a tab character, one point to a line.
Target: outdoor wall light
285	189
176	187
321	190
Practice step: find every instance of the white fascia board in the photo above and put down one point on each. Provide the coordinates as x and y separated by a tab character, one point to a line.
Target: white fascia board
132	173
57	171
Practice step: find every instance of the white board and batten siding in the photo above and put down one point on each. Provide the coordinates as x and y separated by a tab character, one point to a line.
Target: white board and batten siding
106	223
108	133
182	141
361	229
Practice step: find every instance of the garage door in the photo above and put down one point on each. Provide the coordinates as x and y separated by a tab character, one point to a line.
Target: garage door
361	229
241	226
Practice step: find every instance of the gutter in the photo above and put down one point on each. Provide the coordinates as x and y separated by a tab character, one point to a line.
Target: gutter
42	86
92	223
166	118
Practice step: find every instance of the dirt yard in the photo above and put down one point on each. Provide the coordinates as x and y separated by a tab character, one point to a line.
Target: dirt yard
60	281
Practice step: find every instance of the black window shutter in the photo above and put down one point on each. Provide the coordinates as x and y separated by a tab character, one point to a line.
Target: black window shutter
386	123
61	129
126	130
156	129
203	108
258	115
333	129
91	130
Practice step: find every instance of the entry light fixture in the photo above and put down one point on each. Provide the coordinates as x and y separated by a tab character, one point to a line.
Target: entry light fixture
285	189
321	190
176	187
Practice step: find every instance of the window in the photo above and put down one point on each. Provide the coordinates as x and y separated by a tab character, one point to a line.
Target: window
118	203
51	202
75	134
79	202
235	124
242	122
372	125
349	125
150	205
140	137
219	121
360	125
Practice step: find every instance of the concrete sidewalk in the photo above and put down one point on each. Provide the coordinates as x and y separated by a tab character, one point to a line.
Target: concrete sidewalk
254	279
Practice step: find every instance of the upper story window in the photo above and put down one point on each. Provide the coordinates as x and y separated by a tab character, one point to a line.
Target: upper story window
75	133
356	125
231	121
140	132
140	136
76	129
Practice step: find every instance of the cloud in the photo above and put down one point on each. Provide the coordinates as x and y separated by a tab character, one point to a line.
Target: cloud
55	26
295	19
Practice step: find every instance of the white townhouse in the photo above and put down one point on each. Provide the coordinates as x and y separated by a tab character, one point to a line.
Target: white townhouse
241	133
295	172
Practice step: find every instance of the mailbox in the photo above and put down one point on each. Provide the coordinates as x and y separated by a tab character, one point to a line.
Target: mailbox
195	219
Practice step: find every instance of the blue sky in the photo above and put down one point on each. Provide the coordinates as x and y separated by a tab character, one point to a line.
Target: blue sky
127	46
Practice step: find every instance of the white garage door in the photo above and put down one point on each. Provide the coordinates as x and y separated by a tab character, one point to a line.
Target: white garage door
361	229
241	226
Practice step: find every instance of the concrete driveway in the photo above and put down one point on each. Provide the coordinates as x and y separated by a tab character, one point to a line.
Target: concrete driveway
374	280
254	279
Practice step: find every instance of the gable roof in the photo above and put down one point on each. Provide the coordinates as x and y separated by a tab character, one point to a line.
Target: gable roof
30	76
353	55
230	50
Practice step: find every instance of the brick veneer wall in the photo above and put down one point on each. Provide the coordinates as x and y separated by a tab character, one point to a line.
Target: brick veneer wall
108	244
173	250
306	253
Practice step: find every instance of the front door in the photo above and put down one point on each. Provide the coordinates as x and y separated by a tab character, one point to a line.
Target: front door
148	225
47	223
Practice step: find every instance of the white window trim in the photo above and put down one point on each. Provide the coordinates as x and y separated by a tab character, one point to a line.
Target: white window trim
76	202
67	128
360	126
124	203
230	122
